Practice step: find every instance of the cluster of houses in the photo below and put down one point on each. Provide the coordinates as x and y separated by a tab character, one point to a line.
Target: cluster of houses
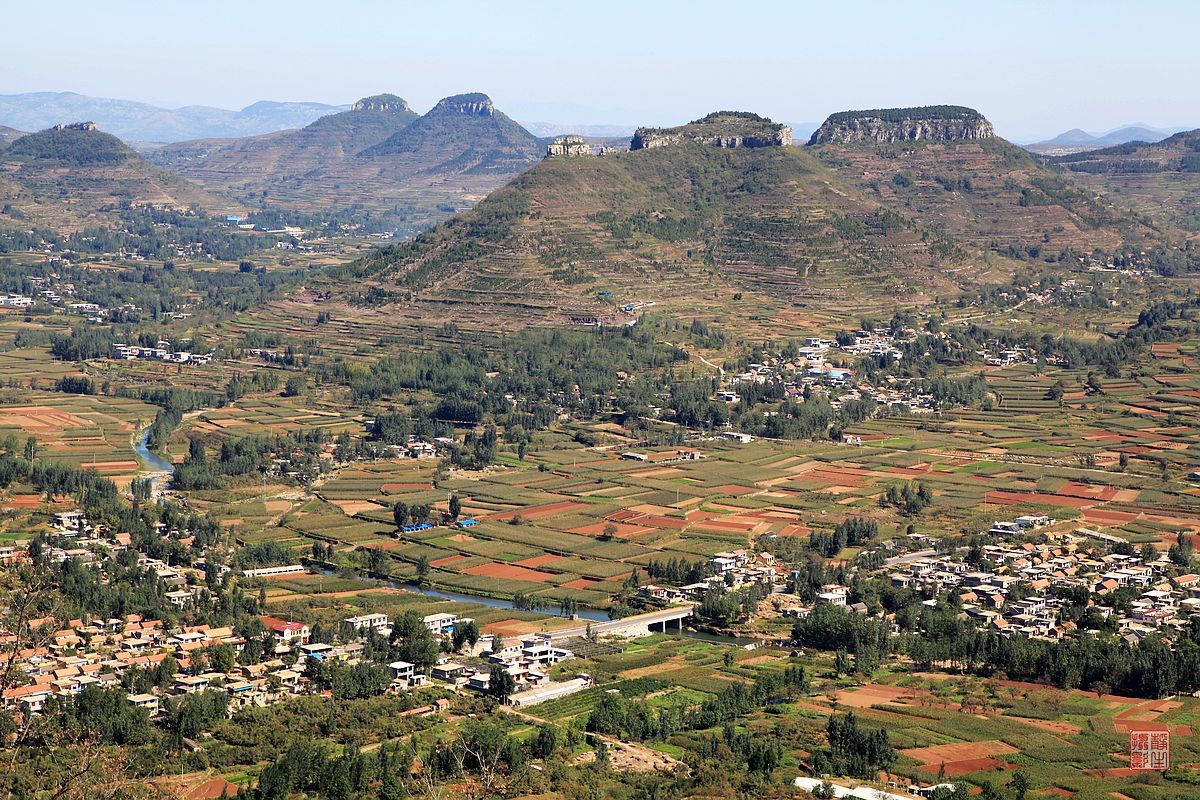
99	652
161	351
731	570
53	292
810	369
1163	599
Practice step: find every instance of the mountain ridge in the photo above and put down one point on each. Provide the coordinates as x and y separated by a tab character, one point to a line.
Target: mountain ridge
134	121
379	158
815	227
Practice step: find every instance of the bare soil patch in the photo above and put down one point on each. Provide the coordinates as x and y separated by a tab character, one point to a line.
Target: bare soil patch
509	572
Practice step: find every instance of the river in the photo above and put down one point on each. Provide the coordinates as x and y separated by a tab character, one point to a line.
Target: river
590	614
156	468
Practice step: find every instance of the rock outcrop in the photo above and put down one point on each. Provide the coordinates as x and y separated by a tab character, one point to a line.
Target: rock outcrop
721	129
473	104
880	126
381	102
75	126
568	146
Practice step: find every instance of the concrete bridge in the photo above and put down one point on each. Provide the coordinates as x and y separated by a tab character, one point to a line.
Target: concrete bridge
637	625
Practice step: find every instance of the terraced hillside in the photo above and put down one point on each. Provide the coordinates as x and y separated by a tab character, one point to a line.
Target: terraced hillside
829	226
1160	179
988	197
379	157
72	176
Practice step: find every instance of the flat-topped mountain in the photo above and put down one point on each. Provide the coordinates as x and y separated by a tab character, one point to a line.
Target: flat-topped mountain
927	123
719	129
94	170
380	157
382	102
821	228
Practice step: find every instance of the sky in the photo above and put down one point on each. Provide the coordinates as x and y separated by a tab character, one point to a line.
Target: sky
1033	68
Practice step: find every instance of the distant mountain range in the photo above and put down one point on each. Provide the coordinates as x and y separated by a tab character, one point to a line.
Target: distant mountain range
1079	141
141	122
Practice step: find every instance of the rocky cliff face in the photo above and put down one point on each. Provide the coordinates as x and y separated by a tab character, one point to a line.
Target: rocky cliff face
75	126
568	146
720	129
381	102
936	123
475	104
648	138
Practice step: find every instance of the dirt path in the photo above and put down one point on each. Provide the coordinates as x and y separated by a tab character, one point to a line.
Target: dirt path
624	756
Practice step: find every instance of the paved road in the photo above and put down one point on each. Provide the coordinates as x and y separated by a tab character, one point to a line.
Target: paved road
904	559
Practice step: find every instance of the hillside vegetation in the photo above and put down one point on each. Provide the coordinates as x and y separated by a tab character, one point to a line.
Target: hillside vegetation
1159	180
71	177
821	228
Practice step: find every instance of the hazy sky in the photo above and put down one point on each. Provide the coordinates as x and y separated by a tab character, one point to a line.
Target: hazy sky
1034	68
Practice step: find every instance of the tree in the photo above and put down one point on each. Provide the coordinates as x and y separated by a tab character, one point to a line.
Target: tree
294	386
422	569
400	514
412	641
220	657
544	742
465	633
501	684
1020	784
455	507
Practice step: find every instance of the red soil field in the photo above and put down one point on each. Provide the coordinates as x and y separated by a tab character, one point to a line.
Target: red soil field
872	693
212	788
1004	498
964	754
968	765
39	419
910	472
536	512
731	523
1108	517
23	501
1112	772
732	489
509	572
641	519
